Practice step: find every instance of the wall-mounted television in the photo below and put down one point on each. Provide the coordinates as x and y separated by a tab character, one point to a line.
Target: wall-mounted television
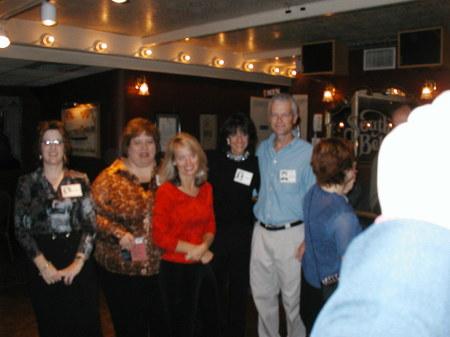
423	48
322	58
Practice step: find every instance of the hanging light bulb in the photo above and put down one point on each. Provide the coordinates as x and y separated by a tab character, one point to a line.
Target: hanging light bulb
48	13
4	39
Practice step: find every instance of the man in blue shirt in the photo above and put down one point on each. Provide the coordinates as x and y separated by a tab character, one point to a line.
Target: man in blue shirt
286	176
395	277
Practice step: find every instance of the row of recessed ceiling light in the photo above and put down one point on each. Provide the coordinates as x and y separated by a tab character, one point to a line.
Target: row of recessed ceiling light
49	40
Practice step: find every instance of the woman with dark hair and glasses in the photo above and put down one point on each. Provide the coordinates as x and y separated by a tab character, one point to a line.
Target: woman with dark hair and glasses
330	222
128	261
234	175
55	223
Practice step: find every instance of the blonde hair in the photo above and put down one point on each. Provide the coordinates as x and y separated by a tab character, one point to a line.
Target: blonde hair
169	172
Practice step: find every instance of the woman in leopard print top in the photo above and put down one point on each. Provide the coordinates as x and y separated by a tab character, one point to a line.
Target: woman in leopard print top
127	258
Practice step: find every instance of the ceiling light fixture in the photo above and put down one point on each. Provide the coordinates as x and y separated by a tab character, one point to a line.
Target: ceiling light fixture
145	52
100	46
328	93
292	72
275	70
142	86
119	1
428	89
48	13
184	58
248	66
4	39
47	40
218	62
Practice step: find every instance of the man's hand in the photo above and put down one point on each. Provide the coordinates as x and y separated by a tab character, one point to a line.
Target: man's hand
300	251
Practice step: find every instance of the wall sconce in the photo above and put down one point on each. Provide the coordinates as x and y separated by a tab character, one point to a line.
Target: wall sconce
184	58
218	62
47	40
428	89
48	13
275	70
394	91
291	72
4	39
328	93
100	46
141	86
145	52
248	66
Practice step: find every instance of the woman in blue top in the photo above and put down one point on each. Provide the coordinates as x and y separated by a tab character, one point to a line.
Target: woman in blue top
330	221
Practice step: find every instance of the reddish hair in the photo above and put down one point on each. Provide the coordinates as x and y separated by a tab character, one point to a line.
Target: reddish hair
331	158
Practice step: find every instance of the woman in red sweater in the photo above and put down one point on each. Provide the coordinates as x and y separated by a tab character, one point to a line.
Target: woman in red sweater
184	227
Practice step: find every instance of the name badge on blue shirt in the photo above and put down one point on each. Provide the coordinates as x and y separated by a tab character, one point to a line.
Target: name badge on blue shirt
288	176
243	177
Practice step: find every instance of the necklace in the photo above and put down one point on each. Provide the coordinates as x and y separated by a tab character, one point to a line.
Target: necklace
237	157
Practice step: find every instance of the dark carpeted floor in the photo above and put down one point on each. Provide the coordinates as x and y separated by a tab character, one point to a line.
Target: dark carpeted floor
16	313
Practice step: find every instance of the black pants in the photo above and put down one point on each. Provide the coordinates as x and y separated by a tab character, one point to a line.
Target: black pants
190	289
311	303
65	310
231	266
135	304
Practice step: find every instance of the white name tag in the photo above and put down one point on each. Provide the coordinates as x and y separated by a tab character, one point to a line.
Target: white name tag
71	191
139	240
243	177
288	176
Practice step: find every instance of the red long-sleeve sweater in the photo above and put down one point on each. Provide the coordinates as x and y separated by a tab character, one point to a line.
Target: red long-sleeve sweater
179	216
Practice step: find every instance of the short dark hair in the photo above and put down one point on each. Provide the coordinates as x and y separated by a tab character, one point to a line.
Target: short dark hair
331	158
44	126
236	122
134	128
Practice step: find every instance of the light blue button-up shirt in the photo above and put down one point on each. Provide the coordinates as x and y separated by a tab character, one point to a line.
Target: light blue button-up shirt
286	176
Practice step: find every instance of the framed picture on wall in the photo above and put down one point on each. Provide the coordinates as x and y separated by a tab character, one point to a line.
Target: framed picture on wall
168	125
82	122
208	131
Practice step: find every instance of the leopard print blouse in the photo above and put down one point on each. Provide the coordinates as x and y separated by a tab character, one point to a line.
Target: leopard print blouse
124	205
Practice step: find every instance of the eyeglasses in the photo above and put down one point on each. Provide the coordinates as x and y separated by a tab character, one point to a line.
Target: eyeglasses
52	142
